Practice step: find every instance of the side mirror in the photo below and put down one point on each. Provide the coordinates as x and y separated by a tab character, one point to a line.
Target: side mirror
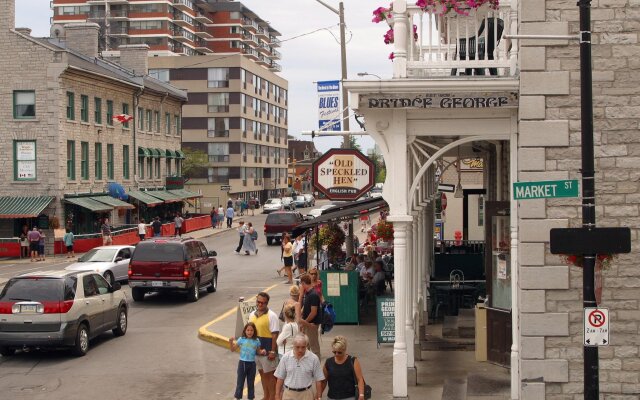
116	286
212	254
118	259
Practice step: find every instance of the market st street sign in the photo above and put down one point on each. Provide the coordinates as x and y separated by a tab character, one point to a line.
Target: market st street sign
545	189
343	174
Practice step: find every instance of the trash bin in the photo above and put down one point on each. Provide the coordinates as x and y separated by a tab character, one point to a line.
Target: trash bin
341	288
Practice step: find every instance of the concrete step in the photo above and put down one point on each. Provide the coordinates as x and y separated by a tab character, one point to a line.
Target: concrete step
450	326
483	386
467	323
455	388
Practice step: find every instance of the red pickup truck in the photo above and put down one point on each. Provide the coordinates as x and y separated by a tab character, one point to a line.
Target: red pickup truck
172	264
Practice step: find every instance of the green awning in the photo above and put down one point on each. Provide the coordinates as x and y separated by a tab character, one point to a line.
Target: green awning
143	151
155	153
89	203
161	153
171	154
113	202
185	194
143	197
165	196
180	154
23	206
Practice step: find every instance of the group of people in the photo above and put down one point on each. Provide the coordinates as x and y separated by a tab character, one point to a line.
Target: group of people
32	243
293	252
156	226
234	207
287	355
248	236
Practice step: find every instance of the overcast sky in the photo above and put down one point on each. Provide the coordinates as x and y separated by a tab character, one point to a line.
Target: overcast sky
306	59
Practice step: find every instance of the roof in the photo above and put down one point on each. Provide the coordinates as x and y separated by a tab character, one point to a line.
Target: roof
89	203
297	148
185	194
113	202
143	197
165	196
23	206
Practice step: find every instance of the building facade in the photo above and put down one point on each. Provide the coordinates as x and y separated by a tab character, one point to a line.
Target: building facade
302	154
65	155
515	104
175	27
237	116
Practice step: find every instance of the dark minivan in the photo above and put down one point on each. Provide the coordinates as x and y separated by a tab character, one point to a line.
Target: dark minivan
172	264
279	222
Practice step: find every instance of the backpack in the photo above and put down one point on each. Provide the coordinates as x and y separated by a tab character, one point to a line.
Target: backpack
254	235
328	317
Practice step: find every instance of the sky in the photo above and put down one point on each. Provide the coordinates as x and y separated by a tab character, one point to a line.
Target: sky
305	59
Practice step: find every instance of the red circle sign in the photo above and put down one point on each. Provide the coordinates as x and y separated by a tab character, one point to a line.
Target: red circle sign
597	318
443	201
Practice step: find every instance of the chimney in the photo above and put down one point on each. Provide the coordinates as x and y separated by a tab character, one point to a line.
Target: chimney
8	20
83	38
24	31
135	58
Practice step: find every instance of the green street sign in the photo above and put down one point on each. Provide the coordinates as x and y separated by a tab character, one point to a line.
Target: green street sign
545	189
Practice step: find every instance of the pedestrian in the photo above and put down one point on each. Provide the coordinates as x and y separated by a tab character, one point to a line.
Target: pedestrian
249	244
301	255
41	244
68	239
311	317
105	228
242	206
177	221
34	243
252	206
241	229
220	215
287	257
142	229
293	300
298	371
214	217
156	225
24	242
316	283
249	346
289	330
268	327
230	214
343	373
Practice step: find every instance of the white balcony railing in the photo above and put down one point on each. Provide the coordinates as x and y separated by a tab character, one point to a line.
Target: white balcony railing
454	44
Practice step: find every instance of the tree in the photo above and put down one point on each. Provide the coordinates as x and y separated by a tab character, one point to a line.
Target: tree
194	162
381	169
353	144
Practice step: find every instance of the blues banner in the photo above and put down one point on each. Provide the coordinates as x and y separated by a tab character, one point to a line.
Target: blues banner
329	112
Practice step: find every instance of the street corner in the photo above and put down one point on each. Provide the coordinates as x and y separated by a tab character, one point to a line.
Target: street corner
212	337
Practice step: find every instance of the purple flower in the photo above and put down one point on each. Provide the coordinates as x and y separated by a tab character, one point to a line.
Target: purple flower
392	56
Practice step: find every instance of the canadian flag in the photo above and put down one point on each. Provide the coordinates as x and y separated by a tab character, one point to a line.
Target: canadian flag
122	118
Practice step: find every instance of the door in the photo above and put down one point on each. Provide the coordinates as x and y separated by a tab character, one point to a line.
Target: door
93	306
498	273
121	264
110	302
206	269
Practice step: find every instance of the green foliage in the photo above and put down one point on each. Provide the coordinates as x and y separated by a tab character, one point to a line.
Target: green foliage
194	161
331	236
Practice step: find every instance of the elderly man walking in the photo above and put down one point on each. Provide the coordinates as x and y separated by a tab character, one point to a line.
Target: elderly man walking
268	327
298	371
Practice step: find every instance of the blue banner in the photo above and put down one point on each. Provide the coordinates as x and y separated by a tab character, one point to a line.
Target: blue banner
329	112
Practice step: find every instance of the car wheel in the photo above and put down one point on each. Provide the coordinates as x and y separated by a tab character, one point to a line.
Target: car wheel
108	276
7	351
137	294
269	241
214	283
194	292
121	328
81	347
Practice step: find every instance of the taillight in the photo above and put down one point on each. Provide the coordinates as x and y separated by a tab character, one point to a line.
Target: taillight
57	307
129	271
5	307
186	272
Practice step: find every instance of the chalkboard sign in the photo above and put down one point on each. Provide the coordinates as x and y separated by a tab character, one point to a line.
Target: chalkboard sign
43	221
386	315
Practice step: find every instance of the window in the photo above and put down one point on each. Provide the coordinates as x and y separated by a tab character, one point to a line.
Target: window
218	152
168	165
140	119
110	161
218	102
110	112
84	160
157	163
24	160
157	118
218	127
167	123
149	167
98	110
178	167
149	121
24	104
84	108
71	160
176	120
218	77
98	161
125	161
141	167
160	74
71	112
125	111
218	175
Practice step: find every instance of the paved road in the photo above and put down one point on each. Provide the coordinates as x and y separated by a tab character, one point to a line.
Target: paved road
160	357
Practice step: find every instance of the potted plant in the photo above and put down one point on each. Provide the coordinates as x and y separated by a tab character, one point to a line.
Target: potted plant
603	263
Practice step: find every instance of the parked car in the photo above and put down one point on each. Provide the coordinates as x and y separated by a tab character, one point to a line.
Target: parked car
311	201
59	309
271	205
288	203
112	262
280	222
172	264
314	213
300	201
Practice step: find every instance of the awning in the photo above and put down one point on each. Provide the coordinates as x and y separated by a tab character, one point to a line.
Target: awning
165	196
143	151
143	197
343	212
180	154
23	206
161	153
171	154
185	194
89	203
155	153
113	202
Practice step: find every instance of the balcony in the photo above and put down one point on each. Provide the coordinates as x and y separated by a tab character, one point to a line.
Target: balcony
251	53
454	44
218	158
263	60
263	33
113	15
202	33
101	2
275	67
203	18
116	30
274	41
275	54
201	46
247	37
182	20
184	5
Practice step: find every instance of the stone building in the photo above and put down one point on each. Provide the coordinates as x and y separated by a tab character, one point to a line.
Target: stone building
518	101
62	147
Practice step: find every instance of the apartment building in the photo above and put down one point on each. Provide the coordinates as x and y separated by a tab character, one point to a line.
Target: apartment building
175	27
237	115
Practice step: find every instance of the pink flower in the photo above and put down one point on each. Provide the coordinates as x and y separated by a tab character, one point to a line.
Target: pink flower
380	14
388	37
392	56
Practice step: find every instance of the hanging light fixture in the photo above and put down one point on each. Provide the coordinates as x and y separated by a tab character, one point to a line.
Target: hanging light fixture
458	194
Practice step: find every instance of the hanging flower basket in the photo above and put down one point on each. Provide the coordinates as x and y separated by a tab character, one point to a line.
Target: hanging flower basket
603	263
385	231
460	7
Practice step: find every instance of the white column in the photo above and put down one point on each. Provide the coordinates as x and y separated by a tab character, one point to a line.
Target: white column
515	280
400	38
408	293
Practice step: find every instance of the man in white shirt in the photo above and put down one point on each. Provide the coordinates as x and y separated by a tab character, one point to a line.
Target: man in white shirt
297	372
367	272
142	229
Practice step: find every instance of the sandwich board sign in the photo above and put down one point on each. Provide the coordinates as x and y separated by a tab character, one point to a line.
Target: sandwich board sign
386	316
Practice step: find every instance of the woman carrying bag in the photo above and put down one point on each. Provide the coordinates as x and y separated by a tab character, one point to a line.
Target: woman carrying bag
288	332
343	374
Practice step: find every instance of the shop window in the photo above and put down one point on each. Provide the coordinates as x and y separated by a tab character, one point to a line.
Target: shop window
24	104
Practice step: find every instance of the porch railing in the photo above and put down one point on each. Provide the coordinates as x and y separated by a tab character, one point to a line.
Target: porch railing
453	44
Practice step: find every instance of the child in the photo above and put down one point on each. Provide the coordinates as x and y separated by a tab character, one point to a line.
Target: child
249	346
68	241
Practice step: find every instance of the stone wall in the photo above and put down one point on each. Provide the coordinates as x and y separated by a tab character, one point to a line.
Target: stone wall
551	293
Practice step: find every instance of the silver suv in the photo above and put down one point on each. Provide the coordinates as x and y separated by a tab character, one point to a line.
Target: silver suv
59	309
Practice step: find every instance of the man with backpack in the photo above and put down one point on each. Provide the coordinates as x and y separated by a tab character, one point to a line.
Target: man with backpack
311	313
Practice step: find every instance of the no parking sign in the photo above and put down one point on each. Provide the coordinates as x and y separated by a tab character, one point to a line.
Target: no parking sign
596	326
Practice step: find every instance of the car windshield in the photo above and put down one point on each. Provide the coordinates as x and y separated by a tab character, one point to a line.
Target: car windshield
98	255
273	201
152	251
33	289
281	219
300	198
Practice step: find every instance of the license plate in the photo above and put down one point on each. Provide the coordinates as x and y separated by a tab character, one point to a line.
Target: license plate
156	283
28	308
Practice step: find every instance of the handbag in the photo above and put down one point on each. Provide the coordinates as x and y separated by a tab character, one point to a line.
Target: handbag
367	388
254	235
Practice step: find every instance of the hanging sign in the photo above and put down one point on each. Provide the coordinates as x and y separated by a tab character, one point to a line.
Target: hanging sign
596	326
343	174
443	100
329	106
386	316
